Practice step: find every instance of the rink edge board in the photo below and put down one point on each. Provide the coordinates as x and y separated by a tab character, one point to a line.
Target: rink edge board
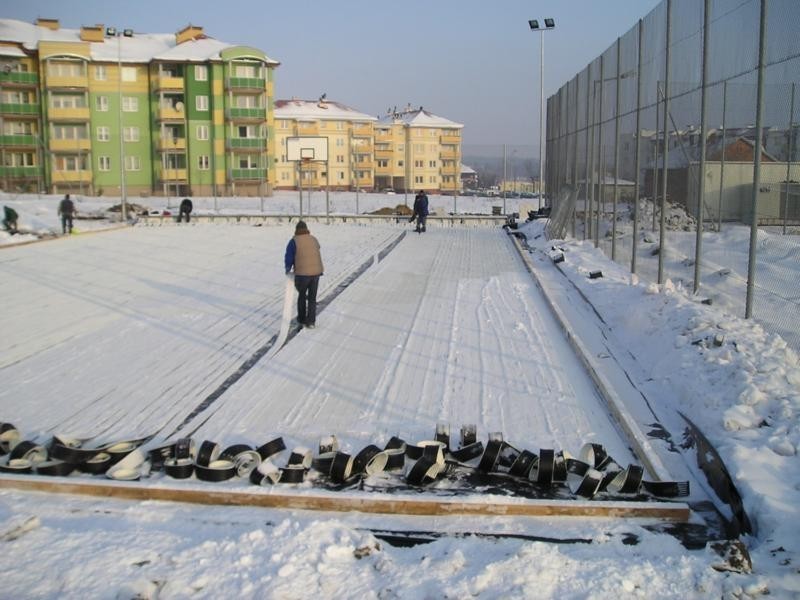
267	498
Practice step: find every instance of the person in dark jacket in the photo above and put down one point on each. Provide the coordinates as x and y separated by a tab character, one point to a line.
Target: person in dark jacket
185	209
420	210
10	220
66	208
303	255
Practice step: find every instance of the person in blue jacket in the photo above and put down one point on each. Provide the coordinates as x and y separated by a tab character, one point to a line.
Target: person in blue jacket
420	211
304	256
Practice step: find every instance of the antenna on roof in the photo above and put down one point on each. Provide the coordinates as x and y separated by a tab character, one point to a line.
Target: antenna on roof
322	98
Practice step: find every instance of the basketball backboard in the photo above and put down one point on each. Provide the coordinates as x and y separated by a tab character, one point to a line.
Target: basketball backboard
307	148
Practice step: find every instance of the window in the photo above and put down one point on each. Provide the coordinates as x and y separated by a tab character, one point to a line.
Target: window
339	142
339	125
128	73
419	163
419	148
383	163
245	71
133	163
68	101
201	102
339	158
17	128
432	164
104	163
65	69
101	103
399	163
19	159
130	134
103	134
202	163
340	175
419	179
100	73
246	102
247	131
202	132
248	162
284	124
284	176
69	162
400	147
70	132
130	104
201	72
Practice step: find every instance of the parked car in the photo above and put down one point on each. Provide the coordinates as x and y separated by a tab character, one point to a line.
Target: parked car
387	191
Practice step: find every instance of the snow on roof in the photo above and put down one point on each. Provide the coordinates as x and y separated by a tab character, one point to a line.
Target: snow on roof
11	51
465	170
318	109
418	118
140	48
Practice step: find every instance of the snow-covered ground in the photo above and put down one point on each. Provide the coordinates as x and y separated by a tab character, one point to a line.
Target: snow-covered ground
127	332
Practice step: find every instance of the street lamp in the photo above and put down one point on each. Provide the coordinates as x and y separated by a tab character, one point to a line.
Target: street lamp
534	25
114	32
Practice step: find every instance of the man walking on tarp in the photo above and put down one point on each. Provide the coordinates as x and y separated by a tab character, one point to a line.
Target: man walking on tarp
303	255
185	209
66	209
420	211
10	219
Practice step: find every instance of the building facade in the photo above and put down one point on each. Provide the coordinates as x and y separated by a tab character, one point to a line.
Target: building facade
349	134
100	111
415	149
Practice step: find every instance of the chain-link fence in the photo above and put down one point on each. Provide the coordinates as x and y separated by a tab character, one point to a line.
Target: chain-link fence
692	117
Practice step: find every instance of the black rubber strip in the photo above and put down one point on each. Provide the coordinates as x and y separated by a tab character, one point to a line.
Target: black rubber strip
28	450
589	484
158	455
595	456
395	459
97	465
300	457
628	481
271	448
323	463
8	436
413	451
179	468
667	489
342	467
217	470
544	474
18	466
293	474
209	451
60	451
577	467
184	448
328	445
395	443
265	473
231	452
560	468
508	455
468	435
523	464
469	452
424	471
57	468
363	458
490	456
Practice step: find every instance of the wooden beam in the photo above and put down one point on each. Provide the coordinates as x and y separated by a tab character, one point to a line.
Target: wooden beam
344	502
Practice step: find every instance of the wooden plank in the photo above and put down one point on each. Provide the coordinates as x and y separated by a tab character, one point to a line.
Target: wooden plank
340	502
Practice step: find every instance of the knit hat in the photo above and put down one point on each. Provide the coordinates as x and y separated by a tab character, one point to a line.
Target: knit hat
301	227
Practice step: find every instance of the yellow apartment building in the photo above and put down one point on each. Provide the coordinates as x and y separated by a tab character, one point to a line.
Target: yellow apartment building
416	149
349	135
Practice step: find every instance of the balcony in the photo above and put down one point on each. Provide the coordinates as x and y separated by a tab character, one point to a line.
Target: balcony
383	154
84	176
69	114
383	136
70	145
365	148
246	143
307	129
17	79
248	174
171	143
66	81
18	140
30	110
445	154
173	174
246	114
167	82
170	113
246	83
363	130
450	139
20	172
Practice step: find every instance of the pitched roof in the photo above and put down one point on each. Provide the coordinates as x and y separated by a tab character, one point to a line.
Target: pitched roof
141	48
417	118
318	109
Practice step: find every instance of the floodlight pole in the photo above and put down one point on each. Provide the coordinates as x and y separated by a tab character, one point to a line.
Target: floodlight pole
534	25
114	32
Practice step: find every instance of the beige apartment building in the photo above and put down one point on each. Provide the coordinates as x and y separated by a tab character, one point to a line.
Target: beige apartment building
349	134
415	149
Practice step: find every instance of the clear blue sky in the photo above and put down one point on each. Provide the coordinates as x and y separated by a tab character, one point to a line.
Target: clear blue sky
472	61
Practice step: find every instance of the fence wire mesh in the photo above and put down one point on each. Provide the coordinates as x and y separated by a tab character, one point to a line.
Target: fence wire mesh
675	191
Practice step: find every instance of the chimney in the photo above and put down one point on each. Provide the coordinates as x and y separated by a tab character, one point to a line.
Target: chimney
92	33
190	32
48	23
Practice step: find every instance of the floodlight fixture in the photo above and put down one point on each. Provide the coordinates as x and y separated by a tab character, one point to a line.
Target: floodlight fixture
127	32
111	31
549	23
533	24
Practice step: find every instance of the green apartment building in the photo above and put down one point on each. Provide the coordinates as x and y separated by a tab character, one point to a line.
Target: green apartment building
102	111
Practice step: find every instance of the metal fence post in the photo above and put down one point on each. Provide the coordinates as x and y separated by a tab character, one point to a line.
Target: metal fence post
722	158
587	221
655	153
662	222
601	190
616	161
788	161
701	186
637	159
575	153
751	263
